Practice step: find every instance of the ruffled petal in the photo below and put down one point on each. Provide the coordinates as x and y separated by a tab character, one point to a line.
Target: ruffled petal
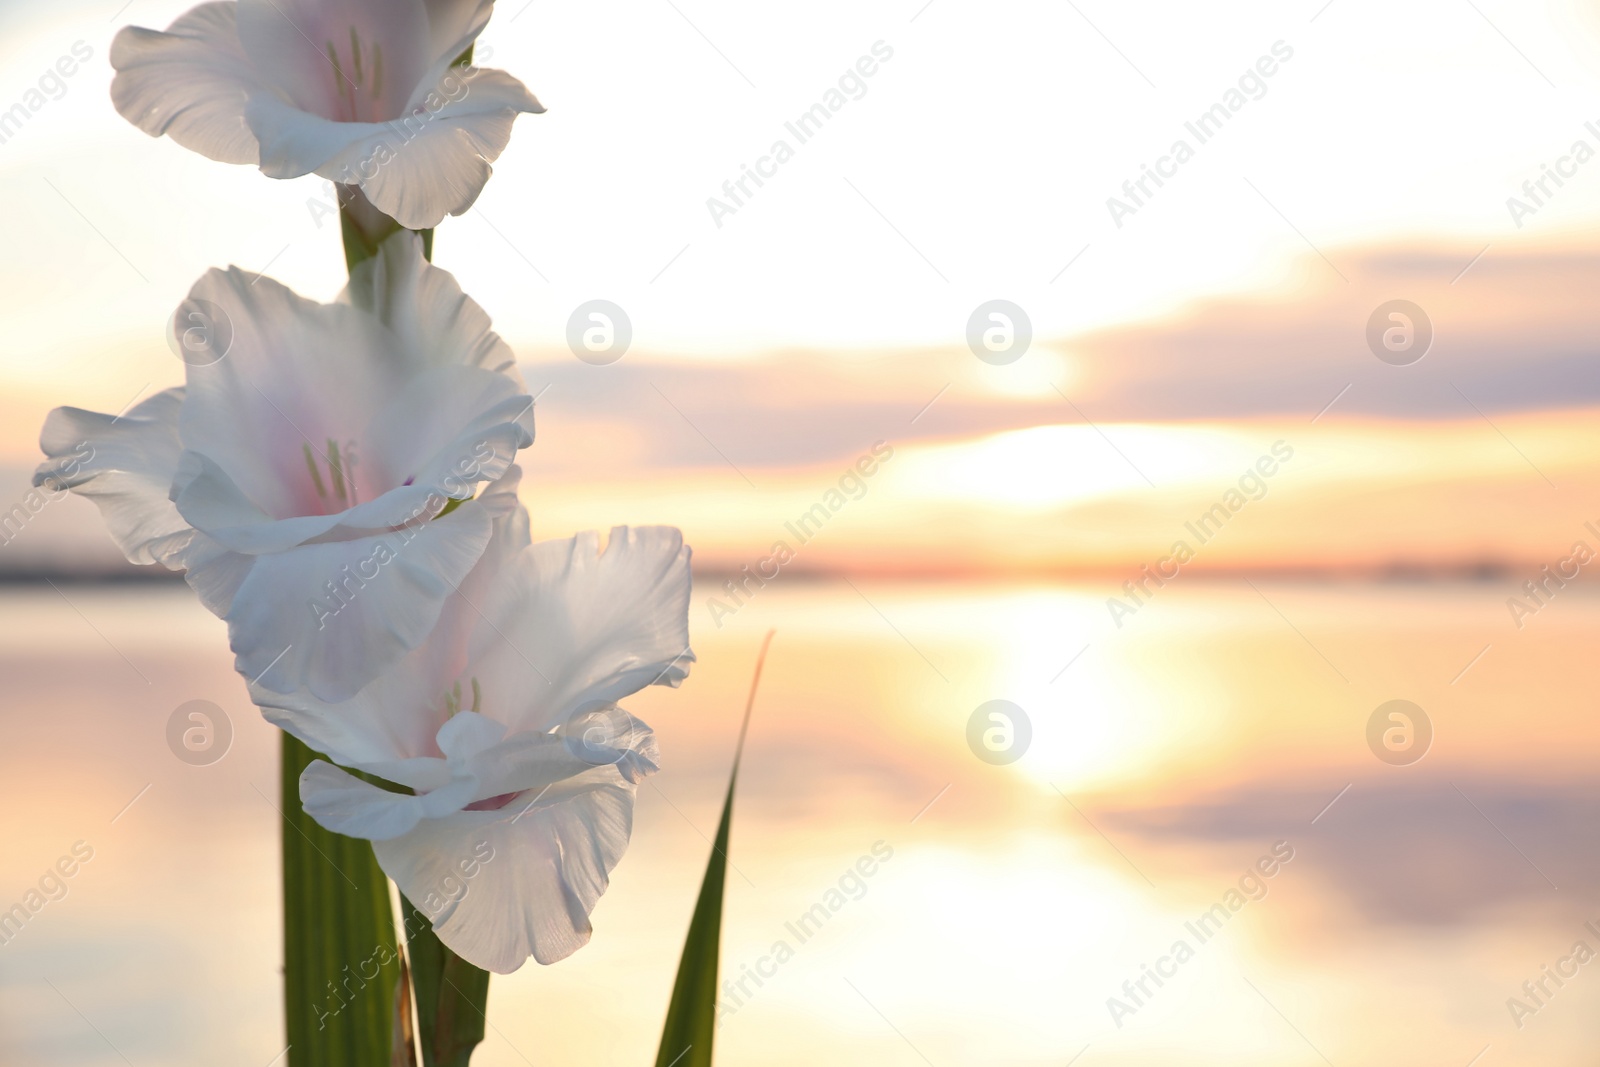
397	715
424	308
435	160
532	763
570	628
126	465
343	803
500	886
296	380
211	501
468	734
190	83
214	571
295	141
330	617
451	429
293	374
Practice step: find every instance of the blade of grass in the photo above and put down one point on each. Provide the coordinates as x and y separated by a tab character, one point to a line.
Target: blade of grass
686	1039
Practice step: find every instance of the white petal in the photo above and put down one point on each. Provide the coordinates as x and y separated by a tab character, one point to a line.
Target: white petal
190	83
500	500
546	867
343	803
452	428
433	164
393	718
421	774
304	49
294	374
454	24
339	613
531	763
215	572
604	736
570	627
295	141
467	734
126	466
398	714
434	322
460	92
211	501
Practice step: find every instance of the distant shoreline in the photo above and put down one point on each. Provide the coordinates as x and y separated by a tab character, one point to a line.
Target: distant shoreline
131	576
1390	573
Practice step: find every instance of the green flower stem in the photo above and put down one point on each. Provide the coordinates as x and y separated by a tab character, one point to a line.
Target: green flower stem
341	957
344	1000
452	995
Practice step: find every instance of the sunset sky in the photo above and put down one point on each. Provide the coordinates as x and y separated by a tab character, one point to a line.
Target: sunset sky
828	310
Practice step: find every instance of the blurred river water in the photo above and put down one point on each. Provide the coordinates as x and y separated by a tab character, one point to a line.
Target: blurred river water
1197	848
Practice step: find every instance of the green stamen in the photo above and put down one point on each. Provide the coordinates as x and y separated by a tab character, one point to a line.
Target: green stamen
311	465
342	85
334	469
477	694
350	470
355	53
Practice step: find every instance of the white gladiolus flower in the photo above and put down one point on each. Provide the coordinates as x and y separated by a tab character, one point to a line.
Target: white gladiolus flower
315	477
361	92
505	727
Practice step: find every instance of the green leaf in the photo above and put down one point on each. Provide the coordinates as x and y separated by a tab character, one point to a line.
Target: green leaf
692	1014
341	960
452	995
